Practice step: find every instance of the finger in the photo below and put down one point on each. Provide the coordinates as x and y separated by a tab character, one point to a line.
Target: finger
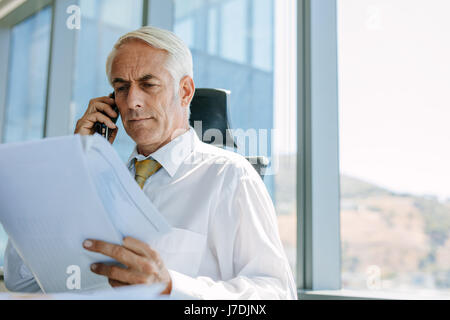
105	108
115	283
105	99
140	247
100	117
112	272
84	127
117	252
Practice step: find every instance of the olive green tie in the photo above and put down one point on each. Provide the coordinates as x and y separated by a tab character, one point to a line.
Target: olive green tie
144	169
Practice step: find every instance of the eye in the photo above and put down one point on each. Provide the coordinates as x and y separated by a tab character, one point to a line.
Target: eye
120	89
148	85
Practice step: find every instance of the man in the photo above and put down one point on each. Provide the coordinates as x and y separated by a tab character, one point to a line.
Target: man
224	243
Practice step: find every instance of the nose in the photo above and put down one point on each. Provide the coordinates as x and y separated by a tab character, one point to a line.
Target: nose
135	99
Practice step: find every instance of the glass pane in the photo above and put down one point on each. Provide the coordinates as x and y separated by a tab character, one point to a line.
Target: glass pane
233	36
27	84
27	78
395	191
262	41
102	23
237	52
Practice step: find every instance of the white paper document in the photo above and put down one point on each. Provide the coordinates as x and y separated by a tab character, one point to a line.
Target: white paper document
135	292
57	192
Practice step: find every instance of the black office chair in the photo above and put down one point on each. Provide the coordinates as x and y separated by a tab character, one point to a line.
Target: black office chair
210	108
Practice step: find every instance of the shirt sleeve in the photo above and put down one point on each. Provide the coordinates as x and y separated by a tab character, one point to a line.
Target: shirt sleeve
18	277
244	238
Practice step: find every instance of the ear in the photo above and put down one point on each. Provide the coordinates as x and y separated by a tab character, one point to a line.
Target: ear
187	90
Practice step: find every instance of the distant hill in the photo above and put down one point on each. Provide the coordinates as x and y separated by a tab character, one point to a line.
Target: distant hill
407	236
352	187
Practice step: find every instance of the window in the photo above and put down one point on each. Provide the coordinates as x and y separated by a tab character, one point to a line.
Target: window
395	192
27	84
233	47
27	78
102	23
244	46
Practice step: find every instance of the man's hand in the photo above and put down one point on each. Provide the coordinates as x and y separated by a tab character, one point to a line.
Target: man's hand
144	265
99	110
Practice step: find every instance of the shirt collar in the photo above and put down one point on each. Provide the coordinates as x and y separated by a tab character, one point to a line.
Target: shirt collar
171	155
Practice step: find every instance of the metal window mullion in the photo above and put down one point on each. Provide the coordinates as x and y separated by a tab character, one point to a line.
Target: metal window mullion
5	36
25	10
318	266
145	12
161	14
303	258
61	72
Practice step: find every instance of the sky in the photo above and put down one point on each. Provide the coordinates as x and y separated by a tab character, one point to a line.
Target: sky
394	85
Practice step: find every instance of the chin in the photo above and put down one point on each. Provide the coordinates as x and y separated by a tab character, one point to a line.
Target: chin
145	136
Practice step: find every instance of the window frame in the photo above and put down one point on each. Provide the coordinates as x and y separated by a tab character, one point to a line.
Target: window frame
19	14
5	37
61	73
318	173
159	13
318	222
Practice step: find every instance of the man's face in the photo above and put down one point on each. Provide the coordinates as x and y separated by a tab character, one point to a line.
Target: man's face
148	105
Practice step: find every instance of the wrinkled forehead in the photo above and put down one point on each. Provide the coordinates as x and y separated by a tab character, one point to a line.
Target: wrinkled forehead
135	58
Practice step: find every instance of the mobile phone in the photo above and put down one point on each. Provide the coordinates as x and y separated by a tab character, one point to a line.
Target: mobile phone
102	128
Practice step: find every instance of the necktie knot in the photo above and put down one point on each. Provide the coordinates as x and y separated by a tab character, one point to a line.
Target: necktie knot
144	169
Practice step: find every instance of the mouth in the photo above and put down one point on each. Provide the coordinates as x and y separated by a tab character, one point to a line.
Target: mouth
140	119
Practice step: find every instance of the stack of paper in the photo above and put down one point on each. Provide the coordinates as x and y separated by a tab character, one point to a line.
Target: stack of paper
57	192
136	292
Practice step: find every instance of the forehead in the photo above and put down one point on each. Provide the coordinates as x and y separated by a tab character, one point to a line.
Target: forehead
135	58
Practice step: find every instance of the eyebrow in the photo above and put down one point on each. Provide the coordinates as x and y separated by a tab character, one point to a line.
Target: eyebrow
141	79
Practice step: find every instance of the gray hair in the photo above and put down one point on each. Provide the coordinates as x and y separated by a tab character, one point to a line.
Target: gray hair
179	62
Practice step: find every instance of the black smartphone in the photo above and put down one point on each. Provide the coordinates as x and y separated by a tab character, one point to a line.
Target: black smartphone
102	128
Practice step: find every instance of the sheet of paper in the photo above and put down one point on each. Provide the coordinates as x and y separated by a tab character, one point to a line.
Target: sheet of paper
57	192
138	292
128	207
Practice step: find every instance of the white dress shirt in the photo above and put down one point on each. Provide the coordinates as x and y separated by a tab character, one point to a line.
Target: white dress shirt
224	243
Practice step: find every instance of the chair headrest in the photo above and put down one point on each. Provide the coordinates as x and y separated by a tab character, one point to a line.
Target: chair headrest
210	106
